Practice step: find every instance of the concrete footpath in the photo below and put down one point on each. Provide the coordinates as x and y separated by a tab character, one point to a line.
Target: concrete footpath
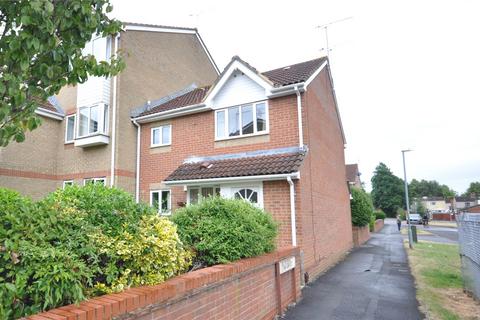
373	282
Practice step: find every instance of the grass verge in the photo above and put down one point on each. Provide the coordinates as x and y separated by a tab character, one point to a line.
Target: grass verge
436	268
420	231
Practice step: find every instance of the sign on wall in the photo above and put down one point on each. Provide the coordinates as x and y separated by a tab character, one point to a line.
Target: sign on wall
287	264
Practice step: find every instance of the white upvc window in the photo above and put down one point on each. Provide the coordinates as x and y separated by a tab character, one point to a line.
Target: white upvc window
70	128
161	136
92	120
162	201
196	194
99	47
101	181
67	183
239	121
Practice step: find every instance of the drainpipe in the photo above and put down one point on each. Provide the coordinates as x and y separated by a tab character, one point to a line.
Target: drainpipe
137	171
292	211
114	114
299	115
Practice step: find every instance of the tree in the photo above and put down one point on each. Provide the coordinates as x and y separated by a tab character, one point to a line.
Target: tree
424	188
473	189
41	44
387	190
361	207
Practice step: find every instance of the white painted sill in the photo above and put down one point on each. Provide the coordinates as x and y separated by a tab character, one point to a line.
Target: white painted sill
263	133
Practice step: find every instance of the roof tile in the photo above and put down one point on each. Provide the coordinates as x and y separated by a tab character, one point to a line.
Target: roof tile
295	73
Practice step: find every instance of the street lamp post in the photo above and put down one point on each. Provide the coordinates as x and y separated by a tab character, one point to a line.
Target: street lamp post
410	240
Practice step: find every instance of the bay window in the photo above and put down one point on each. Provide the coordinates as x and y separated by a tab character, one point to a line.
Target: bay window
92	120
161	200
242	120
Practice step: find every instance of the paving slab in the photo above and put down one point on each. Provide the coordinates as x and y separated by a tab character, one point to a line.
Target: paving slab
373	282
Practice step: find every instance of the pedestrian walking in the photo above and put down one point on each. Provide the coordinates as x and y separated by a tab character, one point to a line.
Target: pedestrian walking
399	222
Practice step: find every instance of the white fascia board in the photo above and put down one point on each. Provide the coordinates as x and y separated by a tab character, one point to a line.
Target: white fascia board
237	65
270	177
172	113
315	74
49	114
130	27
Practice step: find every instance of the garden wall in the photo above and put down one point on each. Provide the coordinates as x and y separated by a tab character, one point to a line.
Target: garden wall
254	288
443	216
378	225
360	235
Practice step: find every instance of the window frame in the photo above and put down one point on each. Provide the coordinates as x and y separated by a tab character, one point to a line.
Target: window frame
95	180
74	116
160	137
67	183
199	188
103	115
241	135
169	203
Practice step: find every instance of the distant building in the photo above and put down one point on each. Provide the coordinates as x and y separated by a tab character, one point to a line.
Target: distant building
353	175
459	203
435	204
472	209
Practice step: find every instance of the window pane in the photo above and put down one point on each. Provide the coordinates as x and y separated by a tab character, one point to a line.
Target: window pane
94	115
88	181
207	192
254	197
193	196
83	124
165	201
100	181
70	128
233	121
166	135
221	124
217	191
100	49
155	200
105	119
247	119
156	136
261	117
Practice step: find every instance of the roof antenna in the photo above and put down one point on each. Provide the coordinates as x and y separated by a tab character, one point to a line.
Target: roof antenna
325	28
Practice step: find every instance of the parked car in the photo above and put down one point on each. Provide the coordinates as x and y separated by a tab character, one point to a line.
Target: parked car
415	218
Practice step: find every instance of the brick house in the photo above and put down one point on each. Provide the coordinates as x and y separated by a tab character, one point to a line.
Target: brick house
273	138
353	175
86	133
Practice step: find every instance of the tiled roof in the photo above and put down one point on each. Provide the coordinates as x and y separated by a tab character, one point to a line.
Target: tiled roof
46	105
239	167
295	73
352	172
190	98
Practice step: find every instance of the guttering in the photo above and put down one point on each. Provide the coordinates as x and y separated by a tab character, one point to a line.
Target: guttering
287	90
270	177
137	171
299	115
49	114
292	212
114	114
173	113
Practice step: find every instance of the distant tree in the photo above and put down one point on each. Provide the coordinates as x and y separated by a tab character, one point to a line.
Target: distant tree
419	207
424	188
41	44
473	189
387	190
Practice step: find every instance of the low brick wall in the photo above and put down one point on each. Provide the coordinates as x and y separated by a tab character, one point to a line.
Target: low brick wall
251	288
360	235
378	225
443	216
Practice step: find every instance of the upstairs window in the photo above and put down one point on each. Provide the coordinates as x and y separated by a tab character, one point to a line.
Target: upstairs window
161	200
161	136
99	47
242	120
92	120
70	129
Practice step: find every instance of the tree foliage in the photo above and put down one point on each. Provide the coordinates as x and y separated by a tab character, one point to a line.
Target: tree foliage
473	189
424	188
361	208
387	190
41	45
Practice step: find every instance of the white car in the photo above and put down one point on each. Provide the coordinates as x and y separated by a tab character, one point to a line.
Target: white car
415	218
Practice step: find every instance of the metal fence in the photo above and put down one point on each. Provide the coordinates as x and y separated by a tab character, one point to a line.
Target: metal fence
469	241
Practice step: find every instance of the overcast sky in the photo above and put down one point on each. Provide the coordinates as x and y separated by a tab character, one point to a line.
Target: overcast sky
407	73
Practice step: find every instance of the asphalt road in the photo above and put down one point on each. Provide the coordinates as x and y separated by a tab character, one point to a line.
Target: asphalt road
373	282
438	234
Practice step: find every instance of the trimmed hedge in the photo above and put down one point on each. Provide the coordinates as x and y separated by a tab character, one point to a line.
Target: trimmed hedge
80	242
222	230
379	214
361	207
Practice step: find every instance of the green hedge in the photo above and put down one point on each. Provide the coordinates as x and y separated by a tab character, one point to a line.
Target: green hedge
379	214
223	230
80	242
361	207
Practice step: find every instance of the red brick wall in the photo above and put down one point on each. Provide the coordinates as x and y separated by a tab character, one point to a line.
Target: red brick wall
276	199
378	225
443	216
324	223
360	235
474	209
246	289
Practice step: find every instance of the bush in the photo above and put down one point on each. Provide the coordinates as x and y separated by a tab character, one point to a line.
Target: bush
379	214
222	230
79	242
402	214
361	207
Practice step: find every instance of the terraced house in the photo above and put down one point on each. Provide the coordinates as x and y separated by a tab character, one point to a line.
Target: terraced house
273	138
87	135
